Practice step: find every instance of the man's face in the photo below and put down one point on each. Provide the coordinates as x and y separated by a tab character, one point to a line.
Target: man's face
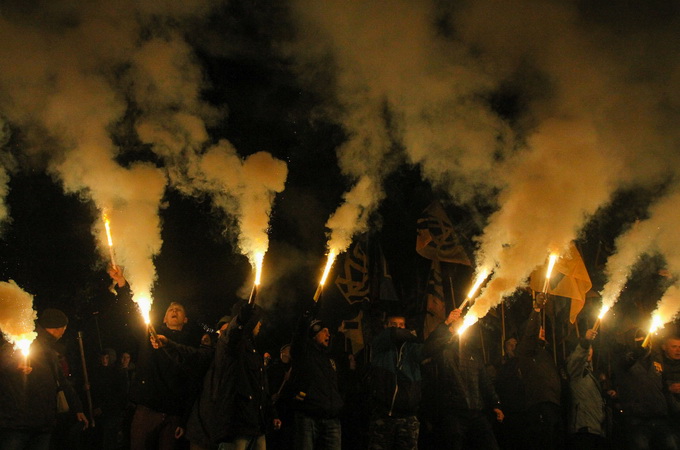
510	346
105	359
323	337
175	317
396	322
57	332
672	348
125	360
285	355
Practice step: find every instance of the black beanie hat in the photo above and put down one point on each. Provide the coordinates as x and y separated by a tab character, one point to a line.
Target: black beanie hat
315	326
53	318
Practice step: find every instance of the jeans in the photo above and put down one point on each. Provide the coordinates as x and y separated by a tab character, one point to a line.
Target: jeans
24	440
316	434
245	443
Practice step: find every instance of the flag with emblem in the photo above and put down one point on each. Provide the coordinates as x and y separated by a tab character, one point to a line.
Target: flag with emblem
569	279
435	310
437	240
352	278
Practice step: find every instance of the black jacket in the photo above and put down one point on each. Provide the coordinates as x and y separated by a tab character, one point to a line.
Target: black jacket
537	366
315	375
160	383
234	400
455	378
29	402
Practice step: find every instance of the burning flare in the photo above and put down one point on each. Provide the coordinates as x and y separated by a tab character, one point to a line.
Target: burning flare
603	311
332	254
480	279
107	225
468	321
17	317
657	323
551	264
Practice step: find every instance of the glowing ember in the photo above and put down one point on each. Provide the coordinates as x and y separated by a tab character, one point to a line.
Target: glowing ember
107	225
259	258
603	311
24	345
656	323
468	321
480	279
329	263
551	265
144	304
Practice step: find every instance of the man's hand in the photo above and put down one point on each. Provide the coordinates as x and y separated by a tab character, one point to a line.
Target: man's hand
499	414
24	368
277	424
116	274
674	388
454	316
591	334
179	432
83	418
540	301
159	342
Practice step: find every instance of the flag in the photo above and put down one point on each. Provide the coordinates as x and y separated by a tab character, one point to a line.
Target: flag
386	283
437	239
353	331
352	280
435	312
569	279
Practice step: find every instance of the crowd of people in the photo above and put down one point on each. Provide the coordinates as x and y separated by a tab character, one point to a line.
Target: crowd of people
402	391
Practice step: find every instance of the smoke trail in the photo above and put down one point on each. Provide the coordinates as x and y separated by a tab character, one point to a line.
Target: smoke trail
244	188
17	316
86	60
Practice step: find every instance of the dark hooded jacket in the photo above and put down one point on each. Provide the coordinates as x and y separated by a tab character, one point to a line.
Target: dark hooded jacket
541	378
394	379
454	377
638	381
314	376
234	400
28	402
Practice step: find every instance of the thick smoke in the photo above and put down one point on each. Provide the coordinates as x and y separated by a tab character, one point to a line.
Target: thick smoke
592	109
17	316
91	64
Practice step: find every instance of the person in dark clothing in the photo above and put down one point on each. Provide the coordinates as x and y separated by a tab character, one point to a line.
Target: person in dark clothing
28	392
641	395
394	384
109	398
587	418
543	384
235	399
314	382
278	375
511	390
159	389
671	378
458	389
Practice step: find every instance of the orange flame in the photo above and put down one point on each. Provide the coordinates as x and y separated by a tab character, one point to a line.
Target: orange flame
551	264
480	279
259	258
329	263
468	321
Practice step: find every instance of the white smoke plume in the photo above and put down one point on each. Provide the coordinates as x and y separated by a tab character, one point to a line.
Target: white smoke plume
572	143
85	61
17	316
245	188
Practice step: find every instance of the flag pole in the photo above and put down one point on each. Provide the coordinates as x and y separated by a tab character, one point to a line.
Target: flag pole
503	327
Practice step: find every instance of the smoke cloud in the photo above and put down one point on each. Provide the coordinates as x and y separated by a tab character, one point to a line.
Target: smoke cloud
17	316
